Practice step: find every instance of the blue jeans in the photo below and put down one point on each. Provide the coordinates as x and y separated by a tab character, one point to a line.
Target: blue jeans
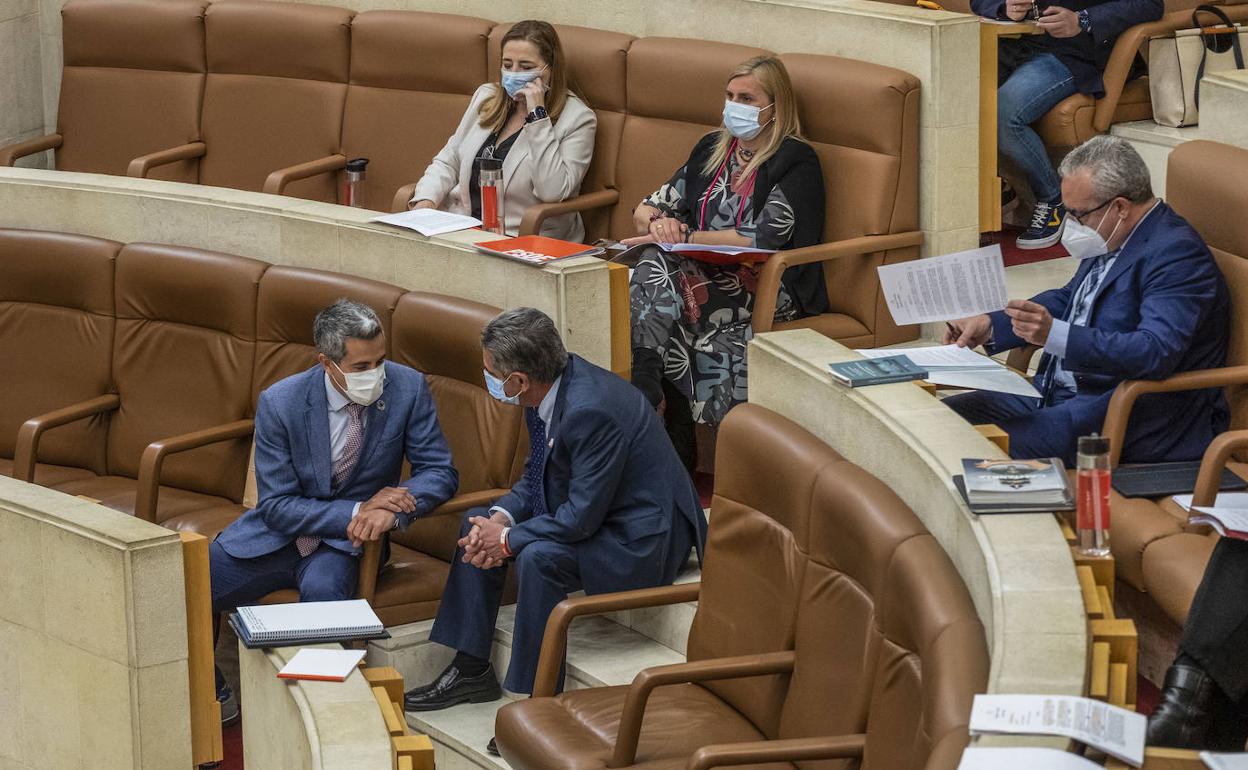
1032	83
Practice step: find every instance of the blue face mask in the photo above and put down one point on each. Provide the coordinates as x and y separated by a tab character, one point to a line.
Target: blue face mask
514	81
741	120
495	387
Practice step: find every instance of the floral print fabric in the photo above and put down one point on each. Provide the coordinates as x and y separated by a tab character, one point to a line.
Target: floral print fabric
696	315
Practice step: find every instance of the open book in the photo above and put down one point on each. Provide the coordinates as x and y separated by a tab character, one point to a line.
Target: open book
1228	515
961	368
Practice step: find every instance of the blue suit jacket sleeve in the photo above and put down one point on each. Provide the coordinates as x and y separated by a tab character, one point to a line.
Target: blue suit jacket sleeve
992	9
434	479
1180	282
1109	20
281	505
599	454
1055	301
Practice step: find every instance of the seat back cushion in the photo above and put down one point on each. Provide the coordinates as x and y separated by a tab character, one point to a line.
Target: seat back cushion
863	122
412	76
597	63
664	123
857	523
1204	183
441	337
182	361
132	84
56	332
289	299
932	660
765	472
276	85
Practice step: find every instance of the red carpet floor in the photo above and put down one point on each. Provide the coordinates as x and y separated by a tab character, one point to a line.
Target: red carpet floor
1012	255
232	743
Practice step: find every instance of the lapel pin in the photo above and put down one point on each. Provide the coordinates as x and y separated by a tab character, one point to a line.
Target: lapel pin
381	406
550	443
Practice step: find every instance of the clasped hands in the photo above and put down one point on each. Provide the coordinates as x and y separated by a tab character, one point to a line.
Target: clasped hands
1030	321
378	514
1056	21
483	546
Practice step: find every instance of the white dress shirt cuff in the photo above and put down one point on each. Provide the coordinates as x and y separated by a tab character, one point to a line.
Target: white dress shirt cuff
1059	333
355	511
511	520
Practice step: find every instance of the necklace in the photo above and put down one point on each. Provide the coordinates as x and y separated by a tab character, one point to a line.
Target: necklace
746	155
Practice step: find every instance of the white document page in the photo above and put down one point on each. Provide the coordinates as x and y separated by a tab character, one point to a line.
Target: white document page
1022	758
1221	761
429	221
999	380
938	357
677	248
943	288
1222	519
1115	731
324	665
1237	500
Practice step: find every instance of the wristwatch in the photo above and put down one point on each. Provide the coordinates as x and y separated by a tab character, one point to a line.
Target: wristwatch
537	114
1085	21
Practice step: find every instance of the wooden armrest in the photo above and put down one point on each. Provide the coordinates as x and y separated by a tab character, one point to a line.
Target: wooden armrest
535	215
555	640
468	501
402	197
1213	462
277	181
1125	395
1123	55
140	166
764	313
26	453
370	565
695	671
787	750
156	452
10	154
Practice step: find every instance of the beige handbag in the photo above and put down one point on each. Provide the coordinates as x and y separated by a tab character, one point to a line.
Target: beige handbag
1178	62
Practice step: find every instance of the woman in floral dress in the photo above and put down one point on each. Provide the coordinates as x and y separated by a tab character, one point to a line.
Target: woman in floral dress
753	182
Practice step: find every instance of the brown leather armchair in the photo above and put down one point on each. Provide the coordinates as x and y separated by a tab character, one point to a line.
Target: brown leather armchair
798	537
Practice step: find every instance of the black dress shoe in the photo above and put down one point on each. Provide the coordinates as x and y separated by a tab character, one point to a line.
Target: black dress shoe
492	748
1190	706
452	688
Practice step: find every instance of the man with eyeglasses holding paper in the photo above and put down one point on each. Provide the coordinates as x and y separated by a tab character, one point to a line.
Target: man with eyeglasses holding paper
1148	301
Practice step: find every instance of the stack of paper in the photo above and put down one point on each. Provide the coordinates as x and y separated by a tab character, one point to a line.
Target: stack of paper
1218	761
961	368
1022	758
322	665
944	288
429	222
1113	730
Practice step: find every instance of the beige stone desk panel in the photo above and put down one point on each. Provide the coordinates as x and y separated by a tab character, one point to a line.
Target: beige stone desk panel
1018	568
291	231
93	668
303	725
941	49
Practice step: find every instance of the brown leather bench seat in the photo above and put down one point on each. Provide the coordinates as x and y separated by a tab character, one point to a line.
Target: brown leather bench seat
818	581
281	94
169	349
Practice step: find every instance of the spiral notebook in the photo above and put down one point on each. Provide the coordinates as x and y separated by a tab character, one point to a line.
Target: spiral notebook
285	625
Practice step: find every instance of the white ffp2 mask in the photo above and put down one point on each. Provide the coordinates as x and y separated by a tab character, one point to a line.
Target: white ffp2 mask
365	387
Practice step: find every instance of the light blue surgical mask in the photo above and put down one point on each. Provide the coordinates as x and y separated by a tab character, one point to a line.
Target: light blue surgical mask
741	120
514	81
495	387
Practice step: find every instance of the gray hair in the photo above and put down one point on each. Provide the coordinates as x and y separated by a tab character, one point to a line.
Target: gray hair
1117	169
525	340
345	319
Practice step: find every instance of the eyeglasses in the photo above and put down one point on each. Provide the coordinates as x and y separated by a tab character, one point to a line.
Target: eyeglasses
1081	215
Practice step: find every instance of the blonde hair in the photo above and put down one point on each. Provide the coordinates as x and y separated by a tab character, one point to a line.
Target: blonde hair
774	79
495	109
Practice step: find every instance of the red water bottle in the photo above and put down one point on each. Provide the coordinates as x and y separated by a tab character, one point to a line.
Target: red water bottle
1092	506
491	176
355	180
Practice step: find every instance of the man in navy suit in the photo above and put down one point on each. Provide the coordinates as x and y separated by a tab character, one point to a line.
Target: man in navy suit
1147	301
1036	72
604	505
330	444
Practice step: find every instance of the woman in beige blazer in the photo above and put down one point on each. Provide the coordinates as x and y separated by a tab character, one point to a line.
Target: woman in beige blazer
543	132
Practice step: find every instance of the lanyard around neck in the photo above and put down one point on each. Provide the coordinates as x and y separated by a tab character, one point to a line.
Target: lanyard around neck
706	196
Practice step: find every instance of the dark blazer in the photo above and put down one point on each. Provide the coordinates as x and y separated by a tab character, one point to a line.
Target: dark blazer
294	465
613	484
1162	309
1085	55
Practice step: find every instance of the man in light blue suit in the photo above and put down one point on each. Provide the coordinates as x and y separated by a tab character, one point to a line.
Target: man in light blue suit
1147	301
604	505
330	444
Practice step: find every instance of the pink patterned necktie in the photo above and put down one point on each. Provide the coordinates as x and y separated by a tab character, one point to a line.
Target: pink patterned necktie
343	466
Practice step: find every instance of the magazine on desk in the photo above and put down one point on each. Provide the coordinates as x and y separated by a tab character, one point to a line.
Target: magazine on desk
536	249
1015	486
